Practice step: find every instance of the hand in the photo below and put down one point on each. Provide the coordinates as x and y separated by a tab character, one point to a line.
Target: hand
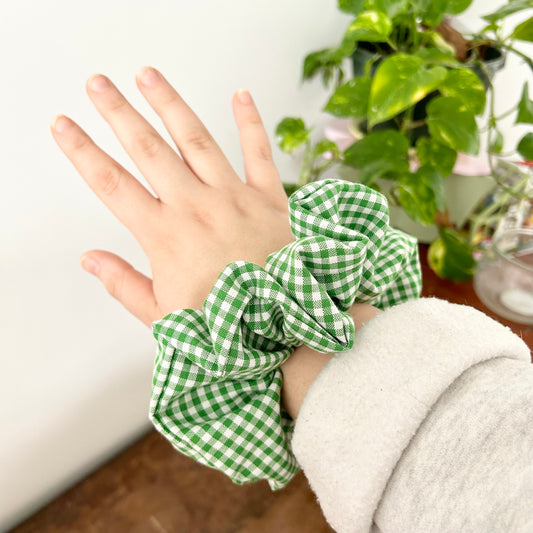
203	216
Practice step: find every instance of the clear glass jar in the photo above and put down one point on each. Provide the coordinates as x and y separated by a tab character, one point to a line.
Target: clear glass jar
503	279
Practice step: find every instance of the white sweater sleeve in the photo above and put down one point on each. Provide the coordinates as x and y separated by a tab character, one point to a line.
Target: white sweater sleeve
426	425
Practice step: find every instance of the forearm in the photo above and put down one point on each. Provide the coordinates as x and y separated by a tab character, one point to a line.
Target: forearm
470	462
384	423
302	368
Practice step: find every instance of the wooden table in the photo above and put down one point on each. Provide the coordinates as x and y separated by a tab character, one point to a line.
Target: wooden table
150	488
463	293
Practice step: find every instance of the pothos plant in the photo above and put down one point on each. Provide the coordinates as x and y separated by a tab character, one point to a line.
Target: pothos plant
416	95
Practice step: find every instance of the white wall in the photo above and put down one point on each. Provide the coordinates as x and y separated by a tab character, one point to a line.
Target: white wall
75	368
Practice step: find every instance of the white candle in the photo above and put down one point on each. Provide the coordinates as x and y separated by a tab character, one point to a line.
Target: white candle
518	300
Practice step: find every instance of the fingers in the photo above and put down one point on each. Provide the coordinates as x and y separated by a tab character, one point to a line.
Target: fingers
197	147
157	161
131	203
131	288
261	173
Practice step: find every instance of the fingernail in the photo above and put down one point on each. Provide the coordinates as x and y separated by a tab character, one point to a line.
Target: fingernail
60	123
244	96
149	76
90	265
99	83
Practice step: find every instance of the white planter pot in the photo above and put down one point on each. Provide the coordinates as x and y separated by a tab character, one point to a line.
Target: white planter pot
463	194
465	188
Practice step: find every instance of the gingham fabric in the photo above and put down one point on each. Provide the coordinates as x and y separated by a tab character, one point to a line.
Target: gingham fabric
217	383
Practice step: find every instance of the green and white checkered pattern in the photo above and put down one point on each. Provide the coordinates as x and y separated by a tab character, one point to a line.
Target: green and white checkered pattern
217	383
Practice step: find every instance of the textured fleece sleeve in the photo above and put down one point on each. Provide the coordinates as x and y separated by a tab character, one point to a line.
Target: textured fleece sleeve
426	425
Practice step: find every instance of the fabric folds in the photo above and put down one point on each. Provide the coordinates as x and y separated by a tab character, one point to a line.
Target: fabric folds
216	384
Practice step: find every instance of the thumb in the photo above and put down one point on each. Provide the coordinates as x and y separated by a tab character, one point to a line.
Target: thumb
131	288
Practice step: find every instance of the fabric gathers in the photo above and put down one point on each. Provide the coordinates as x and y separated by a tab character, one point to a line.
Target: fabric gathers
217	383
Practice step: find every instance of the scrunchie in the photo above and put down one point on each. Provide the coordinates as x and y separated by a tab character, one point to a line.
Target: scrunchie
217	383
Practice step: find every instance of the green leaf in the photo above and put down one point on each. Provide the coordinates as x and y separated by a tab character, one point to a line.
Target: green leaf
451	123
327	61
437	56
525	147
388	145
436	155
351	6
345	49
429	178
493	26
390	7
417	196
350	99
399	82
524	31
374	170
496	143
326	146
315	61
431	12
438	41
508	9
525	107
457	6
291	133
370	26
450	256
324	61
378	154
465	84
436	182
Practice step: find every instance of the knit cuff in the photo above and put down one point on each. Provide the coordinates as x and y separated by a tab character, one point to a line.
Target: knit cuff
217	383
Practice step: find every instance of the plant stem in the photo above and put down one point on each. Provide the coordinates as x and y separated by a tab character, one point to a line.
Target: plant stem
316	172
494	211
492	120
407	119
392	45
408	125
305	172
506	114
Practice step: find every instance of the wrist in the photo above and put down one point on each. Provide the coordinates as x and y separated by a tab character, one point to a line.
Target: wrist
302	368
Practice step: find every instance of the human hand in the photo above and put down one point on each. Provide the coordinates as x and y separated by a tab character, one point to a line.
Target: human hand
203	217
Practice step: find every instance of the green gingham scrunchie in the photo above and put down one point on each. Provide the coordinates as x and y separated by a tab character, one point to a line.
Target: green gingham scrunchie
217	383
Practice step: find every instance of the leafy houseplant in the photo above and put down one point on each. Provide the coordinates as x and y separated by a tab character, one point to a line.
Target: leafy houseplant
415	97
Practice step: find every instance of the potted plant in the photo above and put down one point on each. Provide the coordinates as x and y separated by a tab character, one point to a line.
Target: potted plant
414	100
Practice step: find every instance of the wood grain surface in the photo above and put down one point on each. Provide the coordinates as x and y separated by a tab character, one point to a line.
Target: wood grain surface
151	488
